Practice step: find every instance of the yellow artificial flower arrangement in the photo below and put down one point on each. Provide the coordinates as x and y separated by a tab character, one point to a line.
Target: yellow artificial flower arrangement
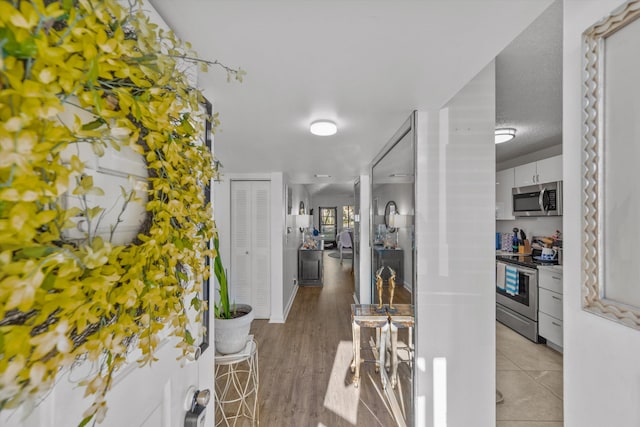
64	299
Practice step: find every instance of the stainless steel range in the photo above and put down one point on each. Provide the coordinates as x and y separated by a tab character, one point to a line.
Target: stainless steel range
517	306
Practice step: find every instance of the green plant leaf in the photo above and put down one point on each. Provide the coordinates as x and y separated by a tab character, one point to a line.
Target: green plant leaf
11	47
85	421
94	124
35	252
188	337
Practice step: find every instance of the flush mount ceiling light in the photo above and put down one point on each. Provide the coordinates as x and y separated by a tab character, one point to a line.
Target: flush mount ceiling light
504	135
322	175
323	128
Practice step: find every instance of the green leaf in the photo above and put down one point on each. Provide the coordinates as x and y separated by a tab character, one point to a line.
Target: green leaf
85	421
93	125
67	4
47	283
188	338
11	47
35	252
95	211
181	276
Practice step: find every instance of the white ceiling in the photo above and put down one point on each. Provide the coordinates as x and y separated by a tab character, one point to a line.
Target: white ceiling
364	64
529	87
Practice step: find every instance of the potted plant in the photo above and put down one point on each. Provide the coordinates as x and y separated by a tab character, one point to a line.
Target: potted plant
232	322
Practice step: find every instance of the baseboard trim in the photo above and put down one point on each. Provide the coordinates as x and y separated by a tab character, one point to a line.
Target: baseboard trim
290	303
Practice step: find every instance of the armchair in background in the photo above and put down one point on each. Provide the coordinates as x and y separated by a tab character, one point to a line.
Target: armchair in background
345	243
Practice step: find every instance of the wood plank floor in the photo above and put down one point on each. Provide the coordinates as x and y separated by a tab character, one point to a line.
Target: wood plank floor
305	378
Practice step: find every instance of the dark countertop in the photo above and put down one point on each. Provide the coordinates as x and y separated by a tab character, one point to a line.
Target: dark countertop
525	261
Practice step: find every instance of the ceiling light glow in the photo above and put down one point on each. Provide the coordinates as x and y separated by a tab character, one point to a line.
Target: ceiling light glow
504	135
323	128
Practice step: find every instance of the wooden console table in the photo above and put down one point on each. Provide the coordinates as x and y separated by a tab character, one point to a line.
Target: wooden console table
365	315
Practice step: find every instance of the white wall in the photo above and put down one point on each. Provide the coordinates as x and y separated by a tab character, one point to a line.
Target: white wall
364	272
601	369
292	241
455	222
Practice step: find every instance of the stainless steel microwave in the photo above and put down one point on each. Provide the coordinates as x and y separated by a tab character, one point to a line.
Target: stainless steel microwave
538	200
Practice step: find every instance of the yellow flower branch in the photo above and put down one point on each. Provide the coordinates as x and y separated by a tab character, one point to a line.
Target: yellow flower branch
66	299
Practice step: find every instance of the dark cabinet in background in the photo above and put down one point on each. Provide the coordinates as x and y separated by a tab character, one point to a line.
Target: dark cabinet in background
310	266
393	258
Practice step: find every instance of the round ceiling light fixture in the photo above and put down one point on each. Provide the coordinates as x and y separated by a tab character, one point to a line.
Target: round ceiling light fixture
323	128
504	135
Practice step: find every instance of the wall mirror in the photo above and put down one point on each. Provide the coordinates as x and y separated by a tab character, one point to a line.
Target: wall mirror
389	211
392	249
611	203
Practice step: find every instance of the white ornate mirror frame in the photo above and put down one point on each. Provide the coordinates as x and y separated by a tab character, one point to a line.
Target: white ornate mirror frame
608	138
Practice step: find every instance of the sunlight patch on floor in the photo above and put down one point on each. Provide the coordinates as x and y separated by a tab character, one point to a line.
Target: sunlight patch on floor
342	397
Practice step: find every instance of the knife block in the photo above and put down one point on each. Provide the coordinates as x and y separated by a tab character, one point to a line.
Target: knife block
525	248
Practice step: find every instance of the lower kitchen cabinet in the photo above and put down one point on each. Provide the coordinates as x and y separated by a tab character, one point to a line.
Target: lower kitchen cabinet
550	328
550	305
310	266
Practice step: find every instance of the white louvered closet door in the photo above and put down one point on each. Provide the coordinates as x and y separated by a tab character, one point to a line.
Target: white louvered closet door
250	273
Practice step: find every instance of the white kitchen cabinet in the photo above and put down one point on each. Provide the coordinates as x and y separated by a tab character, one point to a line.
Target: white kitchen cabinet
549	170
550	278
525	174
550	305
545	170
550	328
504	201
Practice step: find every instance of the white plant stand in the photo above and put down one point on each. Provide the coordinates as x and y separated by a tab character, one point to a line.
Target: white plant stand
236	385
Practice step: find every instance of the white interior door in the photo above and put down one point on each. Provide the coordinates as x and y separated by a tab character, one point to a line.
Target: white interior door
250	245
146	397
150	396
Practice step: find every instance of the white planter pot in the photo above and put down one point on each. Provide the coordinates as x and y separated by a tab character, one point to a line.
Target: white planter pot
231	334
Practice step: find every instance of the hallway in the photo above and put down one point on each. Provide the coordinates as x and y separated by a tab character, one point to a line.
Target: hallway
305	378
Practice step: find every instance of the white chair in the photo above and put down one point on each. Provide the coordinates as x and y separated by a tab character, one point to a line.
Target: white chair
344	243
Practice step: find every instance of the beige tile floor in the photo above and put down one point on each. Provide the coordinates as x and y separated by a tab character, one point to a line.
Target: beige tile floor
529	376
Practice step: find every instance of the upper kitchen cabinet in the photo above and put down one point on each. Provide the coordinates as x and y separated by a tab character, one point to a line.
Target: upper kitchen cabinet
505	181
546	170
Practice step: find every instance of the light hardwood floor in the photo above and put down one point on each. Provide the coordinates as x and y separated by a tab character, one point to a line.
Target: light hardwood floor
305	379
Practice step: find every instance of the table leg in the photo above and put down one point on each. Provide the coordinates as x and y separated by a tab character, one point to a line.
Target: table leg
394	355
353	347
410	344
377	363
382	349
356	353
